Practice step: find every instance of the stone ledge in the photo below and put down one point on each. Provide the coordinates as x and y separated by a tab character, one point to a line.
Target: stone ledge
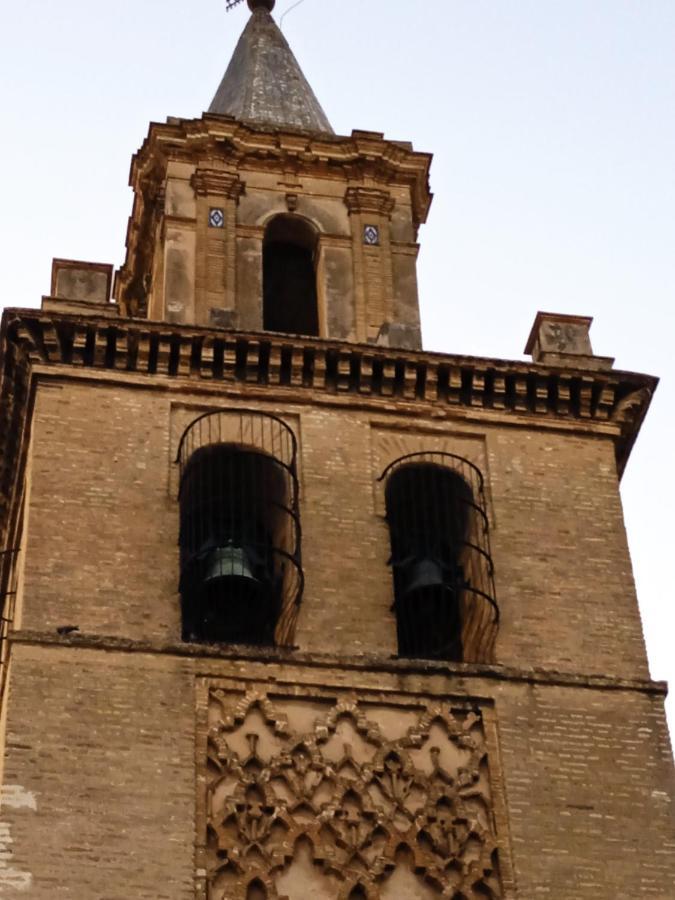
312	368
390	373
364	662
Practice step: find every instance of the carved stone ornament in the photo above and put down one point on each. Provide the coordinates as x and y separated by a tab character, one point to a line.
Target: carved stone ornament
369	200
340	799
212	182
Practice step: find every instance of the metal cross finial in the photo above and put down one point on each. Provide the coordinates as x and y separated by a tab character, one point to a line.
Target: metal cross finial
252	4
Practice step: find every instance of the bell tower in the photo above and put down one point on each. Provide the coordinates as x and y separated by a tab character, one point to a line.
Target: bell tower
258	216
291	607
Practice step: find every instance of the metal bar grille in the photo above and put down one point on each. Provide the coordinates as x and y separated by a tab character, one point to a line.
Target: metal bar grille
444	594
241	574
8	576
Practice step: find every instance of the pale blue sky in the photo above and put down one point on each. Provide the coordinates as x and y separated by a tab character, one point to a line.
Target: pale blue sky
553	128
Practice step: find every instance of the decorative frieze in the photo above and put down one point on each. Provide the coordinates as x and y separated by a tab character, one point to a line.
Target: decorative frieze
612	401
426	383
359	798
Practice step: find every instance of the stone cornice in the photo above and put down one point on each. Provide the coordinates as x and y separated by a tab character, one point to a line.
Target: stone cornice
15	400
219	148
611	402
462	675
363	154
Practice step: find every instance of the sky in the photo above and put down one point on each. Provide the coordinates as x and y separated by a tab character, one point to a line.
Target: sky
552	124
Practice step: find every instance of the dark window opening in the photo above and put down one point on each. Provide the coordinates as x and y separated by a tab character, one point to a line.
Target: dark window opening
256	891
358	893
239	532
442	572
290	302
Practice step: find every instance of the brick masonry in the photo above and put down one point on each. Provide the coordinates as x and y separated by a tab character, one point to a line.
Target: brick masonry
105	473
108	753
100	728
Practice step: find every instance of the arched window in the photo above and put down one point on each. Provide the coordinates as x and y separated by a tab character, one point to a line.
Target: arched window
239	530
358	893
290	301
256	890
442	571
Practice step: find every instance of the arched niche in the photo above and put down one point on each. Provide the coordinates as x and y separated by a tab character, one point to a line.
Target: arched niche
443	576
239	536
290	293
257	891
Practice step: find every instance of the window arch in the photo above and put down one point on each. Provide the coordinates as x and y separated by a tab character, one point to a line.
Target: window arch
444	596
290	298
241	578
256	890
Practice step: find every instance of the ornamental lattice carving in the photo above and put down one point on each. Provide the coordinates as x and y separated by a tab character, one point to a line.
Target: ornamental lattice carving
345	800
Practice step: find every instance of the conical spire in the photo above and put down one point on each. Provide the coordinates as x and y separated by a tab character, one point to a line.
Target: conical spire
264	83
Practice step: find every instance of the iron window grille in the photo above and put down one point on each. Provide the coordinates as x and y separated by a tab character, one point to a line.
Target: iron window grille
444	592
8	579
241	576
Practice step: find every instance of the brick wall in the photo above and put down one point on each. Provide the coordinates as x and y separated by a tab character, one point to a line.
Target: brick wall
103	745
100	791
102	544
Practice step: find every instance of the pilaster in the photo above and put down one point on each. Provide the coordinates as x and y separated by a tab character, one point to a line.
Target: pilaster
370	212
217	197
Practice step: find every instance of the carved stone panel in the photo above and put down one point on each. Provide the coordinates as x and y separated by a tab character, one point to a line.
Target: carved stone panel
338	798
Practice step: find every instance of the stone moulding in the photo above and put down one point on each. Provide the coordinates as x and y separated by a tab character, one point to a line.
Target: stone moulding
613	402
223	140
319	662
221	151
377	796
15	402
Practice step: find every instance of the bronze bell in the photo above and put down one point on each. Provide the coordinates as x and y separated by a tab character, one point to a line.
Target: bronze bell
428	609
236	596
228	562
424	575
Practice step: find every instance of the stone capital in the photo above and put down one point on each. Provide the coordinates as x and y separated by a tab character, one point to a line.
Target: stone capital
369	200
214	182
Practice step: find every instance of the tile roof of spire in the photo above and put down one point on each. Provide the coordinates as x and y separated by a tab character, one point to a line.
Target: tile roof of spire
264	84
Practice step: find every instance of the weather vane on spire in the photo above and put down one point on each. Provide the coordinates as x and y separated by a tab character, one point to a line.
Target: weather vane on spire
252	4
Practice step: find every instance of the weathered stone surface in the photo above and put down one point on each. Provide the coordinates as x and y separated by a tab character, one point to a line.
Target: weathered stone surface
81	281
181	262
264	84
